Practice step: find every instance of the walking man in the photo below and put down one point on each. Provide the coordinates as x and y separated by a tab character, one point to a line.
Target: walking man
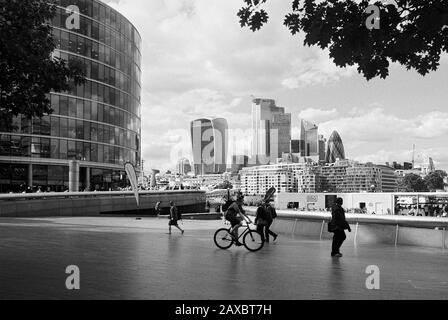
271	215
338	225
174	218
261	220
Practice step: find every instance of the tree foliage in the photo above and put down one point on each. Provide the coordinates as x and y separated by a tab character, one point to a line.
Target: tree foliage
434	181
28	71
224	185
414	183
414	33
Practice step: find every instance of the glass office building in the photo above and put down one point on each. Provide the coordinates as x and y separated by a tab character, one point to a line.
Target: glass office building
209	140
98	123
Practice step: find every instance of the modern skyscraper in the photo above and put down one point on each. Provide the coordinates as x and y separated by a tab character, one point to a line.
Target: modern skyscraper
295	146
271	130
209	139
322	143
310	135
335	148
183	166
97	124
239	162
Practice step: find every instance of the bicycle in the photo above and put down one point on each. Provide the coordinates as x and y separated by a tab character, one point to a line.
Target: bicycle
252	239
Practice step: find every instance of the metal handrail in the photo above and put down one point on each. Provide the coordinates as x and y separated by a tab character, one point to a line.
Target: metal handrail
42	195
354	218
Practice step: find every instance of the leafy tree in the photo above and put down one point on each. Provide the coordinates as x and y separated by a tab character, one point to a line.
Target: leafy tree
414	183
442	173
224	185
28	71
434	181
414	33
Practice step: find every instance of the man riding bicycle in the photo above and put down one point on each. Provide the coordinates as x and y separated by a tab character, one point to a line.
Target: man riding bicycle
235	215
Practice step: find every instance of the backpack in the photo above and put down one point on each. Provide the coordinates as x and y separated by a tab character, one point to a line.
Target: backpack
227	205
179	215
273	213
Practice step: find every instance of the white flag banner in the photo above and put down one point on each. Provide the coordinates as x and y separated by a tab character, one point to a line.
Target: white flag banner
132	176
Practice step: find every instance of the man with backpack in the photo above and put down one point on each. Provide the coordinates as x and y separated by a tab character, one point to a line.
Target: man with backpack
271	215
174	217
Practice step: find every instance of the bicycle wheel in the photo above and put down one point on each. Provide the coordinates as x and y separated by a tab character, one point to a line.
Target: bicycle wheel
223	239
253	241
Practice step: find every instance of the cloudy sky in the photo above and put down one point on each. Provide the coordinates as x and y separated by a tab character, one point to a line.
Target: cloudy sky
197	62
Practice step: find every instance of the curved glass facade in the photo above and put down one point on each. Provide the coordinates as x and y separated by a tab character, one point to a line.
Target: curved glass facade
335	148
98	123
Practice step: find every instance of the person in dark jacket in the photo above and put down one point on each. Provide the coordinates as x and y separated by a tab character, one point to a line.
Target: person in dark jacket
174	217
261	220
338	219
271	215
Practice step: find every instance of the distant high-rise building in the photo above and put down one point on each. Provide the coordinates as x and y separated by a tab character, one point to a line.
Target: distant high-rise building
425	164
239	162
310	135
398	166
183	166
210	145
271	130
322	143
294	146
335	148
153	182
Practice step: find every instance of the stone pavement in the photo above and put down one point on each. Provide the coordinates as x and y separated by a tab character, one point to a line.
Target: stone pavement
125	258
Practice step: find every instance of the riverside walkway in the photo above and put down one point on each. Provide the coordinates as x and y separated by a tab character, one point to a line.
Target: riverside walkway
125	258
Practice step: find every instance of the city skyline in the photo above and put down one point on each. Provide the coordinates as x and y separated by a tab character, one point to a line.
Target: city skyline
185	77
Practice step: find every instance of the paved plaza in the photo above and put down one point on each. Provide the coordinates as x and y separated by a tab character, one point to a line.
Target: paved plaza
125	258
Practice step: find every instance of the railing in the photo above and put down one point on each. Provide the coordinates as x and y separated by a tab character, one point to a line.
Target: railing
416	231
352	218
69	195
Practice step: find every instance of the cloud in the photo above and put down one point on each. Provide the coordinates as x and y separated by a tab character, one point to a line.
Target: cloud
431	125
315	69
318	115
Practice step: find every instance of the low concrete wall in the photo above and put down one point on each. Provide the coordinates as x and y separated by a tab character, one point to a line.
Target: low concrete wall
98	203
366	229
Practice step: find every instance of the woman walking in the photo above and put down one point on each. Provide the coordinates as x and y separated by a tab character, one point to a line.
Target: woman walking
338	225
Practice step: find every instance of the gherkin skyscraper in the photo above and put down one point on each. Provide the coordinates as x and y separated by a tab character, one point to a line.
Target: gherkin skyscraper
335	148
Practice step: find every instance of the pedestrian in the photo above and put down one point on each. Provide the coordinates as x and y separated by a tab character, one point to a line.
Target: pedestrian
338	225
272	214
261	220
445	212
174	218
158	208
